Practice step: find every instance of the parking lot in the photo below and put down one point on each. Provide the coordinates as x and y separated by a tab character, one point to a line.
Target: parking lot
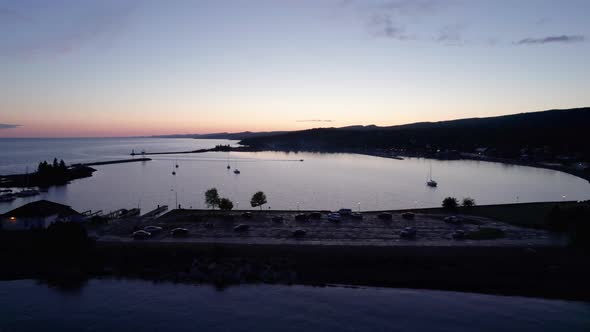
266	227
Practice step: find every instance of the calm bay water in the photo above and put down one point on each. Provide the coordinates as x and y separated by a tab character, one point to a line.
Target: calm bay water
321	181
127	305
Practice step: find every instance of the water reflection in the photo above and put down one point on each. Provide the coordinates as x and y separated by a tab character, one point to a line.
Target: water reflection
65	286
108	304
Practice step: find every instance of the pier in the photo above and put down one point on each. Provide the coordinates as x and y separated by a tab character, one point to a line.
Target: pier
110	162
130	213
156	212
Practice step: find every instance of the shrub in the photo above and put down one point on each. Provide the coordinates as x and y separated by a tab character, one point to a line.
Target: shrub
450	203
468	202
225	204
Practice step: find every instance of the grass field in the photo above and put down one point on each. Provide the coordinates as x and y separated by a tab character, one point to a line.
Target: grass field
533	215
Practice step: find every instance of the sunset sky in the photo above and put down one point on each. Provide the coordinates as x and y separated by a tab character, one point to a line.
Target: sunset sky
128	68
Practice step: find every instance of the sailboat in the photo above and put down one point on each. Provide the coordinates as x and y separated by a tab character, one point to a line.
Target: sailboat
176	164
173	171
228	166
28	191
236	171
431	182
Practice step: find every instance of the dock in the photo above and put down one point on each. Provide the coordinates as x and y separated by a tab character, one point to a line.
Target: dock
130	213
110	162
156	212
90	214
115	214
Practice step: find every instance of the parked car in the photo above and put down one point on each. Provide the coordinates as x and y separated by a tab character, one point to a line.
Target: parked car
179	232
315	215
277	219
141	235
385	216
209	225
299	232
459	234
247	215
153	229
301	217
357	215
452	220
241	228
345	212
334	216
408	215
408	233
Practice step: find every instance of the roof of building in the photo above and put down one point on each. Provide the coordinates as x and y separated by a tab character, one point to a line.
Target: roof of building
42	208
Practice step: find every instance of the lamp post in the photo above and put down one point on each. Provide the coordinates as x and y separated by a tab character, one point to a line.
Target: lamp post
176	198
359	204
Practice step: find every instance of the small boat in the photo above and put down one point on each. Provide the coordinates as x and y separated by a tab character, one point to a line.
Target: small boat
236	170
176	164
431	182
173	171
27	193
7	198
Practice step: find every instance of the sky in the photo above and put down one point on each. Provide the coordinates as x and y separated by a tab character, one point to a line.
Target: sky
102	68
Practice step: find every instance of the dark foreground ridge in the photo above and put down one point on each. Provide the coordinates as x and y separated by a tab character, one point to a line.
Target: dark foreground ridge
553	272
215	253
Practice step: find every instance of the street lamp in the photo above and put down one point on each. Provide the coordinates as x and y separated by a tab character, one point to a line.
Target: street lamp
359	207
176	197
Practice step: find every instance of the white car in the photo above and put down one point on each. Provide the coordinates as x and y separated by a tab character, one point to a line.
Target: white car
140	235
153	229
179	232
408	233
334	216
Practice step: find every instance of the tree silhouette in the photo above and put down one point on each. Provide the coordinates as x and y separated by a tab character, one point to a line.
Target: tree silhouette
225	204
212	198
258	199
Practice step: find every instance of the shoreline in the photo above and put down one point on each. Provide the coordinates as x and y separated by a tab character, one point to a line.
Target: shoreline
400	156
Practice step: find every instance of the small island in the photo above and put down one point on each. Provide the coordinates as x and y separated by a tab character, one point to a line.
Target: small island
48	174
